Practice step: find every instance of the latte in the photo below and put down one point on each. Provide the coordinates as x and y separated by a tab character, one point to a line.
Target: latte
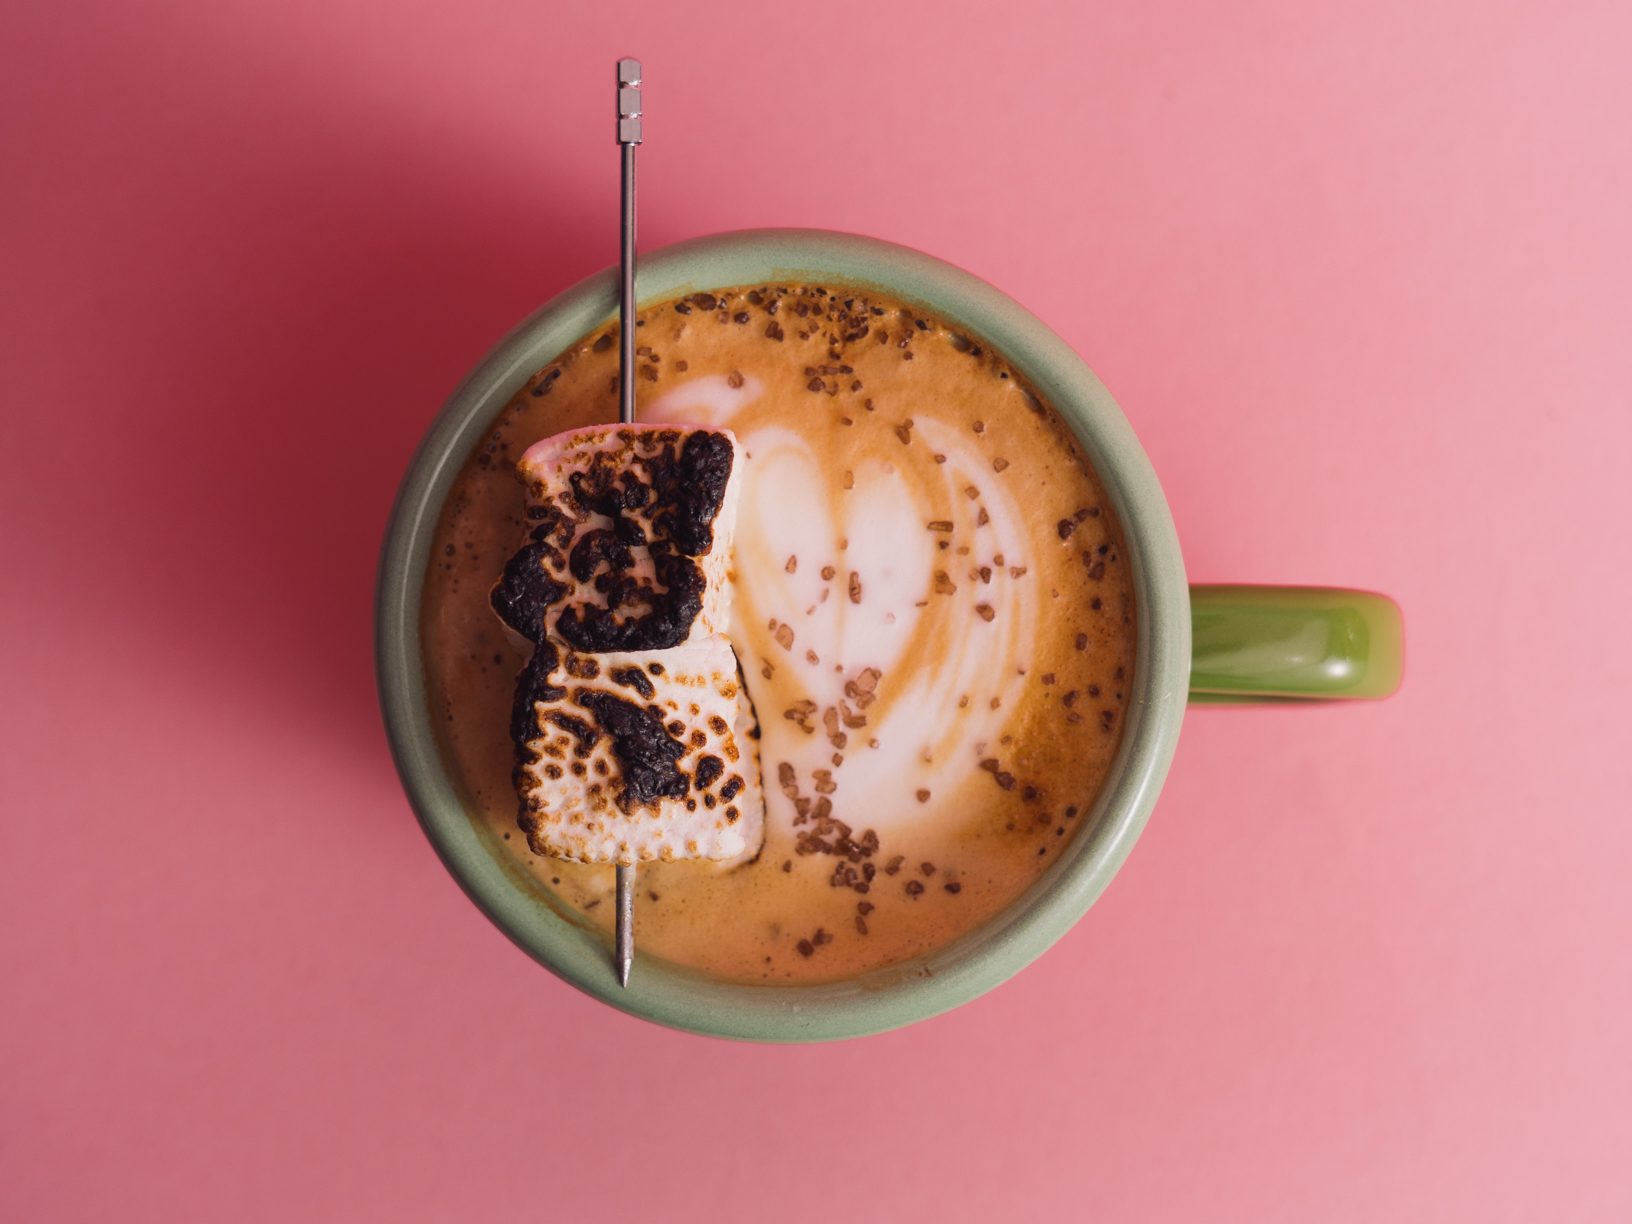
931	604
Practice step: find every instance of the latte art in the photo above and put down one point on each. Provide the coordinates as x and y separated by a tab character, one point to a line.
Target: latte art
872	575
930	602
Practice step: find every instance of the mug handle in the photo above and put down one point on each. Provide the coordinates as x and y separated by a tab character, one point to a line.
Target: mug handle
1253	644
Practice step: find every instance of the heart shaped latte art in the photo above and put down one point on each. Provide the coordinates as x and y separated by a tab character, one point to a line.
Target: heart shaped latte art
884	630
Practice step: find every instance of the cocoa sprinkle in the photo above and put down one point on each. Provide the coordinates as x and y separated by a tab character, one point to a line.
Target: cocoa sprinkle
860	690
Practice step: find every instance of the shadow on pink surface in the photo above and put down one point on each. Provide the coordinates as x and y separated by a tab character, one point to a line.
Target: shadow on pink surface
1357	277
281	340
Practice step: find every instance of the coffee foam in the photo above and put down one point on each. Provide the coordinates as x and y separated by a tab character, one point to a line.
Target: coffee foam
948	650
871	855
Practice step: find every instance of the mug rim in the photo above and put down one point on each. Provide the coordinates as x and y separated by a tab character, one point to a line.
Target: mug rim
932	982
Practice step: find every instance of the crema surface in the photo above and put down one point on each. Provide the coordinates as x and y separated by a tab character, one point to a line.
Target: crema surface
933	611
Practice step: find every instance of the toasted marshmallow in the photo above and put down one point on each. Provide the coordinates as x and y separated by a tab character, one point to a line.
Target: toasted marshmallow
629	546
634	756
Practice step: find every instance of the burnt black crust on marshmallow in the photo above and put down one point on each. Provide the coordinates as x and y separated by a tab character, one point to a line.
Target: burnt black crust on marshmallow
646	752
649	752
526	590
533	685
584	732
634	678
655	497
670	513
689	494
598	630
708	770
597	548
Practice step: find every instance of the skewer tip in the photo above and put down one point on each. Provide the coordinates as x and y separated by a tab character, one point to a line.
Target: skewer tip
625	956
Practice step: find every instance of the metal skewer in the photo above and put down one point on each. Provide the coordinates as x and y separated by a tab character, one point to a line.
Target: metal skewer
628	138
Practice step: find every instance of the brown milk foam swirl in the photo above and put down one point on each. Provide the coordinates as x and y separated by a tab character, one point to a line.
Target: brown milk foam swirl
905	809
880	614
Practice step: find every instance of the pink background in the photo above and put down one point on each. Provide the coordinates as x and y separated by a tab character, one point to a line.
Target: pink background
1361	276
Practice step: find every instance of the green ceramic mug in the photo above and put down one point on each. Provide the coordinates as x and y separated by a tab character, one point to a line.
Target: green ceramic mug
1202	643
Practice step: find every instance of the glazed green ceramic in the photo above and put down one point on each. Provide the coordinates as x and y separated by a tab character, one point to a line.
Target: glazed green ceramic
1251	643
1260	643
